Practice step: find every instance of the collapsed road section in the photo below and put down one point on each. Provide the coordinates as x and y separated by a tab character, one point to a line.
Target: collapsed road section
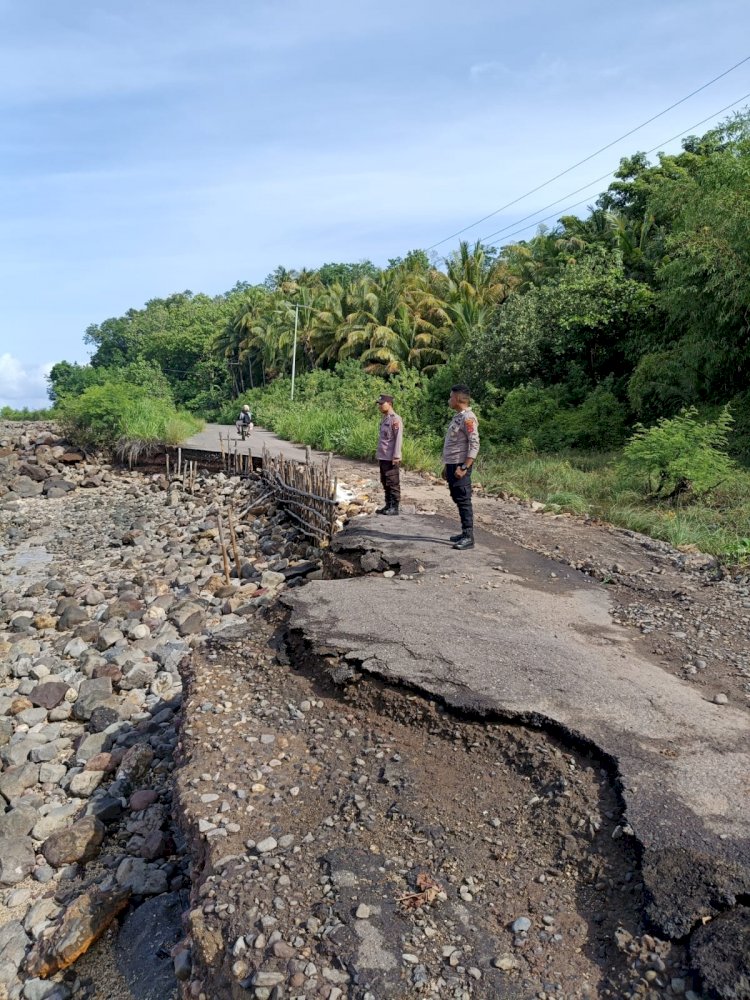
508	633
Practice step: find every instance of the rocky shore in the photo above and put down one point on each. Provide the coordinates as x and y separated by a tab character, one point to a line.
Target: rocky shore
110	580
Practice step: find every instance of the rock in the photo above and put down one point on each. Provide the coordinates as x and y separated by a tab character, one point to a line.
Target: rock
24	486
144	943
56	819
85	784
18	822
49	694
16	780
81	924
362	912
79	842
266	846
521	925
42	989
188	617
75	648
17	858
13	944
720	699
109	637
141	878
505	962
71	616
271	580
135	764
92	692
142	799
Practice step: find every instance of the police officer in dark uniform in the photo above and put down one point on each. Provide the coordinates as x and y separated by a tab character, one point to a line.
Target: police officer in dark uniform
459	454
389	454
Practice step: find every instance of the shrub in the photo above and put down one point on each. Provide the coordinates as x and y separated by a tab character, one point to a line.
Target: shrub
125	417
661	385
679	458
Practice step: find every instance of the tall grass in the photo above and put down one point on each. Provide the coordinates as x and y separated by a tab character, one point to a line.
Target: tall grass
588	485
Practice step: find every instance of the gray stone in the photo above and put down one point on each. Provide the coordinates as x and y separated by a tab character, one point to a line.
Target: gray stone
92	745
13	944
24	486
140	877
17	858
93	692
16	780
52	774
44	989
18	822
85	783
71	616
55	819
108	637
521	925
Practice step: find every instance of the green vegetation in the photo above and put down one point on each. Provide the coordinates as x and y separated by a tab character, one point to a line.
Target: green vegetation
8	413
125	416
609	356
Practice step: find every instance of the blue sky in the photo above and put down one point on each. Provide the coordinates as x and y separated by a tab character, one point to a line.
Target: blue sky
150	147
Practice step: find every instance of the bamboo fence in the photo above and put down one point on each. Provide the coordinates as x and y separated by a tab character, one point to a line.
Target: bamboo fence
305	491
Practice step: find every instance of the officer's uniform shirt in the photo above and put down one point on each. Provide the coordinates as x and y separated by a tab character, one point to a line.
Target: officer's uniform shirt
391	436
462	438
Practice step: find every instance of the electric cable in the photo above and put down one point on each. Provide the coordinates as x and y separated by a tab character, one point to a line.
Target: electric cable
591	156
603	177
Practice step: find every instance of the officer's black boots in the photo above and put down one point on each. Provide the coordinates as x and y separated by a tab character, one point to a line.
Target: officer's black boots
466	541
390	508
456	538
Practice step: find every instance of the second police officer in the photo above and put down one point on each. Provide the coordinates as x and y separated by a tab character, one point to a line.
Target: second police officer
459	454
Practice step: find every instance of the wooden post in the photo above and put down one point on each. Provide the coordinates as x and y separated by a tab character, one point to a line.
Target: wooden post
233	536
179	461
224	558
167	457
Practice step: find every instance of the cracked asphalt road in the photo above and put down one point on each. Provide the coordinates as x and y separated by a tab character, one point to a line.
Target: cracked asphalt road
502	630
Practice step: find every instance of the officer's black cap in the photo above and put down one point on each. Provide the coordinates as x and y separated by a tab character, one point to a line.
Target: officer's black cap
382	398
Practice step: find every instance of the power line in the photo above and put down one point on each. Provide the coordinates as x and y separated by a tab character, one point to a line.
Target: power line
591	156
603	177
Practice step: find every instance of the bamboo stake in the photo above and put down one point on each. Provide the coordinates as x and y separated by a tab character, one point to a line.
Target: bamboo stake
167	458
224	557
179	461
233	536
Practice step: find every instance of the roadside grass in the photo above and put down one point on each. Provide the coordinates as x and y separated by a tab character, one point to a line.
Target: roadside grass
587	484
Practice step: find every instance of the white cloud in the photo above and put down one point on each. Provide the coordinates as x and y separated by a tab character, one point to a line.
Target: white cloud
23	385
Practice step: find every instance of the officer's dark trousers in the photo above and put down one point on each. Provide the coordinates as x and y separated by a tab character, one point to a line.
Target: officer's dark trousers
461	496
389	477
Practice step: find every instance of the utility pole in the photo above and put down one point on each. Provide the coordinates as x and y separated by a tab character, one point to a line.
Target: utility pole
294	348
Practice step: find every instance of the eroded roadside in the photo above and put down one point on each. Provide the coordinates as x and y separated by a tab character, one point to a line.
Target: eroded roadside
358	840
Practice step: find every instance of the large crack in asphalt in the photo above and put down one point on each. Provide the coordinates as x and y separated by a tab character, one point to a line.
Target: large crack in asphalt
679	762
